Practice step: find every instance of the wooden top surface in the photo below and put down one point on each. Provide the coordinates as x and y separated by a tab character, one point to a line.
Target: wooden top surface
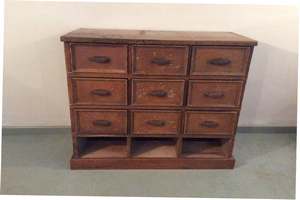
157	37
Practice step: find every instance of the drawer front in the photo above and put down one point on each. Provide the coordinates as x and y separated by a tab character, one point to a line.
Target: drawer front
215	93
100	91
156	122
221	123
100	58
157	92
158	60
101	122
220	61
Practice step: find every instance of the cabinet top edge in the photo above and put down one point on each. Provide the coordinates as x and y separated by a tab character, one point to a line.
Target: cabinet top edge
157	37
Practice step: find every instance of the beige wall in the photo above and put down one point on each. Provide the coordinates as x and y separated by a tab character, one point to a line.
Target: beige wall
35	91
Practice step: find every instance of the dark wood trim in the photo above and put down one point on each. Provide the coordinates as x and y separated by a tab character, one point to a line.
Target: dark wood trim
152	163
142	37
107	144
180	135
166	77
159	42
130	107
66	129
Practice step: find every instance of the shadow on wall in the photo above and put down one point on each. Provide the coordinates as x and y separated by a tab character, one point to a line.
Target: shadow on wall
271	91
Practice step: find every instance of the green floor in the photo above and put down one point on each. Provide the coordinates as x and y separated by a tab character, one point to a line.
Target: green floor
36	162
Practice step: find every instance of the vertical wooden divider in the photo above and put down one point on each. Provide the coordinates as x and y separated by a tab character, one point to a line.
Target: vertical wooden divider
105	53
75	145
68	63
183	109
179	146
228	146
129	93
129	146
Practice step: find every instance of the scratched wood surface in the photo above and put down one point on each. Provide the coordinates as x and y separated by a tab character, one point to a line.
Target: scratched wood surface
155	99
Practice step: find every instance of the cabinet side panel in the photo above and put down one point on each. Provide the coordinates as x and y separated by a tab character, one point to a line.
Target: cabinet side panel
68	59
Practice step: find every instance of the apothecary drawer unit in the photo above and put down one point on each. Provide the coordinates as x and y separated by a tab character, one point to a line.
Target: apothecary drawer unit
155	99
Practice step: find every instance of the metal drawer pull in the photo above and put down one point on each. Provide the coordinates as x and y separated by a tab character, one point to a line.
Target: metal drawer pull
209	124
214	95
156	122
160	61
105	123
219	61
99	59
158	93
101	92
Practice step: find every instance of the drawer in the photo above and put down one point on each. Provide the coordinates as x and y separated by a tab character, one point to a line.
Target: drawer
100	91
220	61
100	58
101	122
215	93
156	122
157	92
217	123
160	60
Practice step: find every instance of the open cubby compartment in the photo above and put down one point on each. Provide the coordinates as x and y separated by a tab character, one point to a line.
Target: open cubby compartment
205	147
102	147
154	147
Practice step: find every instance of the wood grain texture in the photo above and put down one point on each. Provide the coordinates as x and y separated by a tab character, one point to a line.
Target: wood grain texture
211	123
87	91
157	37
154	148
204	93
155	99
156	59
152	163
219	60
157	92
104	148
100	58
156	122
101	121
204	148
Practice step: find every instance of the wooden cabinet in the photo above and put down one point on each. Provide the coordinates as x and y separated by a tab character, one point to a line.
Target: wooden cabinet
155	99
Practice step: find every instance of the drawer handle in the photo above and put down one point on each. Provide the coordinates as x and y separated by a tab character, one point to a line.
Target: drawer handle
209	124
214	95
160	61
105	123
101	92
219	61
156	123
158	93
99	59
